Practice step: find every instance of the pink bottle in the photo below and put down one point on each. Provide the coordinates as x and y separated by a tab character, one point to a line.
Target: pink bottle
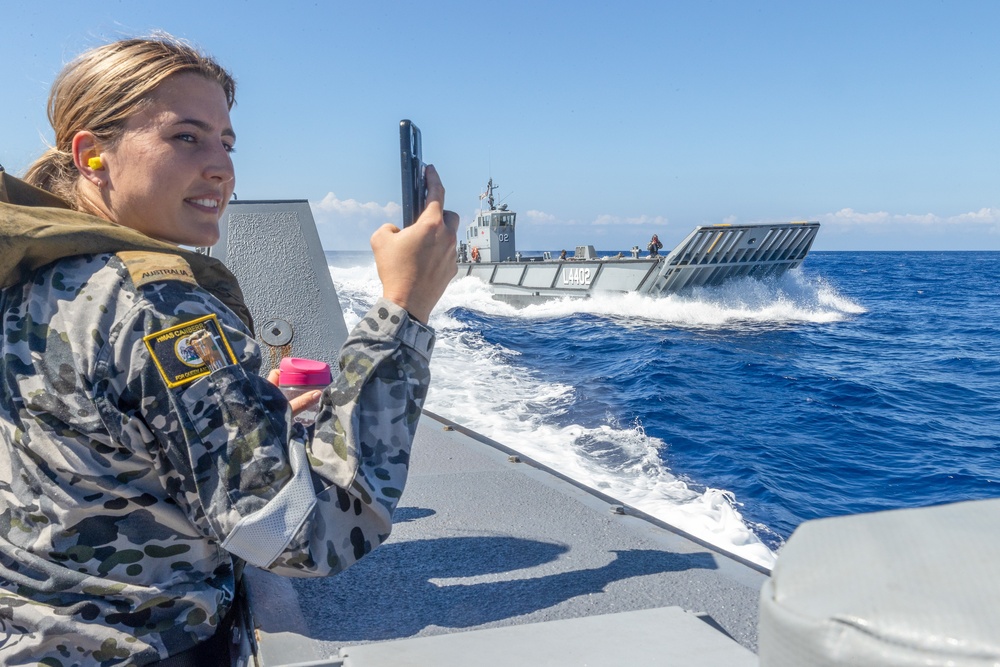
299	376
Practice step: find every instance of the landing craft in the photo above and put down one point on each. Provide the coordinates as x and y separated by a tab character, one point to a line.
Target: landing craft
708	256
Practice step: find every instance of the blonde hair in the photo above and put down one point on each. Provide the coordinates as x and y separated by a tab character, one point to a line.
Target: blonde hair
104	87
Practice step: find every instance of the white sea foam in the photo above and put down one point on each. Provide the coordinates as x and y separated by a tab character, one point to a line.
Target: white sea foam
792	298
515	406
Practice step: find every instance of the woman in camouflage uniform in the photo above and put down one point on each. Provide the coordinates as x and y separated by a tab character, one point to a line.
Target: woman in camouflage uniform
137	473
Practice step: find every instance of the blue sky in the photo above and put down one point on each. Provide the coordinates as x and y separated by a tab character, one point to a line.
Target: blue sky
602	123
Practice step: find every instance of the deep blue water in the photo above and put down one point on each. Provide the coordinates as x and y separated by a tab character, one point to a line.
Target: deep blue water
894	404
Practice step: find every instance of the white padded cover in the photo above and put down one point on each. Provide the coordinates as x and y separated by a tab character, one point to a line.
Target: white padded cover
901	588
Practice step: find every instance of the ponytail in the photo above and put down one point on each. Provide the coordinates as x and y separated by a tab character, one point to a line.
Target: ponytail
54	171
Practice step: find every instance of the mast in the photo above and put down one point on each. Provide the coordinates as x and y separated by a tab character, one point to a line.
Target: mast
488	195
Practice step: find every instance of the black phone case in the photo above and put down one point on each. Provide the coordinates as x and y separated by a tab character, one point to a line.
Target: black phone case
412	170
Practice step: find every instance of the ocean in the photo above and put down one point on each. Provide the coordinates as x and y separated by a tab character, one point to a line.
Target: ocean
861	381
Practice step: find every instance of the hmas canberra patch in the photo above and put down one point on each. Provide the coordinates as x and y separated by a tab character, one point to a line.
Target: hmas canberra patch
188	351
147	267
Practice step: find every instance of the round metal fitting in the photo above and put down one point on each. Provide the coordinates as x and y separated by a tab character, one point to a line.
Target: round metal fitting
277	332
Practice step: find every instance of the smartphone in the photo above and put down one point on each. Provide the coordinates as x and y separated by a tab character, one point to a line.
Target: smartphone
412	168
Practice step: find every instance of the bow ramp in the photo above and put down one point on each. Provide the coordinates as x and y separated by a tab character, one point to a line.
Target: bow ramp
712	254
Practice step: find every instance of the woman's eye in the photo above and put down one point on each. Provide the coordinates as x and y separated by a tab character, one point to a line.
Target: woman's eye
190	138
229	148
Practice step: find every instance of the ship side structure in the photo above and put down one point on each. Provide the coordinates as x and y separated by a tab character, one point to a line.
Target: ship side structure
708	256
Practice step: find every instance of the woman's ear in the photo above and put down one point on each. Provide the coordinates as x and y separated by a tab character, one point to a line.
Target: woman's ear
87	158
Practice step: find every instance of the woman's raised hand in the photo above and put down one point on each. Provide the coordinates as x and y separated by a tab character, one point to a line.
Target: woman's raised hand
416	264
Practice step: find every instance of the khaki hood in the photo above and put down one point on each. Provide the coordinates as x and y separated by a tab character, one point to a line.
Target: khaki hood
38	228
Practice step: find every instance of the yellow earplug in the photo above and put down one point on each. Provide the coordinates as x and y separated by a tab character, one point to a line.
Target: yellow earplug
95	163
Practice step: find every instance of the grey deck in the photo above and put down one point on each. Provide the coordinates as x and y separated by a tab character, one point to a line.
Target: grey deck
664	635
482	542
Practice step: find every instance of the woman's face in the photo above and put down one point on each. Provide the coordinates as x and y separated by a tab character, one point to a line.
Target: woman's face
170	174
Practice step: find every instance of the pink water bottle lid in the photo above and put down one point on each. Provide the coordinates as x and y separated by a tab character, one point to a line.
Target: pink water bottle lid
296	371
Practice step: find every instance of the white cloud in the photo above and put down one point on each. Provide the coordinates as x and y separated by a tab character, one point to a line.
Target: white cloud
347	224
352	208
606	219
988	216
540	219
539	216
848	216
848	229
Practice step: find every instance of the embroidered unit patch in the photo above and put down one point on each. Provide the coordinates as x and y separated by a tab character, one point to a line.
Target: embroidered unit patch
183	353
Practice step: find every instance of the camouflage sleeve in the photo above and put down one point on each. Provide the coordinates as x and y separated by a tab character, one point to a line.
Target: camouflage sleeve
360	445
299	502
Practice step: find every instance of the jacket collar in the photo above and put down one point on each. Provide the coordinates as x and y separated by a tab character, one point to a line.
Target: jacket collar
38	228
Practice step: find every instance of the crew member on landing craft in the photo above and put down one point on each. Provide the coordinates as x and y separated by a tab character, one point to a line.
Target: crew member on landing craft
654	246
142	459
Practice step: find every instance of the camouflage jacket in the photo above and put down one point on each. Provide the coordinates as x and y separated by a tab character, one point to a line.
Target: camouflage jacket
132	469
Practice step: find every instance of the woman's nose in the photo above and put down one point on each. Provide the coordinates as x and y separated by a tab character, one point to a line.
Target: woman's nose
220	166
